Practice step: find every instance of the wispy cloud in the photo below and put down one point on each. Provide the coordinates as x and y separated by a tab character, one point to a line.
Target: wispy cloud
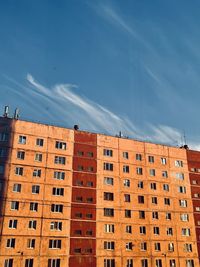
65	104
96	117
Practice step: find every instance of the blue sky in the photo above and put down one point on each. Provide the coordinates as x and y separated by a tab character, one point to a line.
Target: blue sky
107	65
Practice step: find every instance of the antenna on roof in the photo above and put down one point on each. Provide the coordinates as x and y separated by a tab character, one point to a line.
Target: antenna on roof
184	141
16	114
6	111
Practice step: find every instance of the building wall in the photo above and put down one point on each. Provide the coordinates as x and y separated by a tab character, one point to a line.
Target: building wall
194	173
43	216
119	188
104	199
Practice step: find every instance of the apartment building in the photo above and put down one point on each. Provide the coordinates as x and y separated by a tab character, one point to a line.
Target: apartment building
74	198
194	175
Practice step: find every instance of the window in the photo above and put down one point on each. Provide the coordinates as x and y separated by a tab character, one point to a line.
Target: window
158	263
169	231
167	201
172	263
127	182
90	169
55	243
33	206
168	216
79	183
58	191
12	224
127	198
141	214
89	232
89	215
108	166
125	155
21	155
39	142
78	232
129	263
17	188
154	215
140	184
22	139
154	200
78	215
109	228
166	187
89	199
77	250
90	154
10	243
128	229
188	247
31	243
1	169
189	263
61	145
163	161
38	157
35	189
151	159
29	263
153	186
109	245
19	171
157	246
3	137
139	170
54	263
57	208
108	212
143	246
32	224
156	230
37	173
152	172
185	232
80	168
141	199
171	247
59	175
164	174
108	196
143	230
3	152
89	184
60	160
108	180
182	189
108	152
127	213
178	163
138	157
183	203
109	263
129	246
184	217
180	176
144	263
14	205
126	169
8	263
56	226
80	153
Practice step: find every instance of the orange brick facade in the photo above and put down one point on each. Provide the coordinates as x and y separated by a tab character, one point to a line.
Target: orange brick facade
73	198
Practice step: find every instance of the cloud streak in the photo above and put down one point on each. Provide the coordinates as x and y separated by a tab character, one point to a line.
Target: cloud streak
95	117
